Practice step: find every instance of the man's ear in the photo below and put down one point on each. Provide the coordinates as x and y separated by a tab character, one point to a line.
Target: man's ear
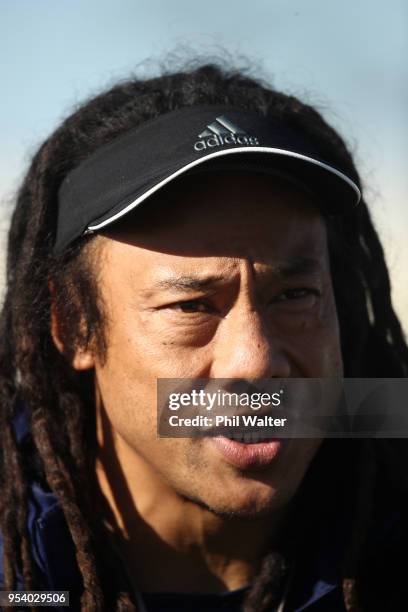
78	358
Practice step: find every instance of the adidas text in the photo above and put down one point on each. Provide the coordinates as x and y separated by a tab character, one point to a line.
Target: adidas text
220	140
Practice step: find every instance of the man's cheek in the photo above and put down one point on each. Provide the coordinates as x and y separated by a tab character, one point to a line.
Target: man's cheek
135	426
331	344
129	402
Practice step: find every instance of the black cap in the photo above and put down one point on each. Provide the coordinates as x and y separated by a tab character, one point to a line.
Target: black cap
124	173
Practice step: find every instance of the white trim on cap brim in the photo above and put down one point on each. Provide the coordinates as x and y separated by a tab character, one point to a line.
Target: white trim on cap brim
196	162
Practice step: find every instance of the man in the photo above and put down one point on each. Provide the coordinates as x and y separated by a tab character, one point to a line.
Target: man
197	225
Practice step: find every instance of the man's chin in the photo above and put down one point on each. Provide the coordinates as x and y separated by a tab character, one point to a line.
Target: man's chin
248	508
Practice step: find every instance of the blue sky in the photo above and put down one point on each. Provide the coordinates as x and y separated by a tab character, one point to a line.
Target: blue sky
348	58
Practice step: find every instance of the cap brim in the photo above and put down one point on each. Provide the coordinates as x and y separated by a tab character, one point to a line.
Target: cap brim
336	192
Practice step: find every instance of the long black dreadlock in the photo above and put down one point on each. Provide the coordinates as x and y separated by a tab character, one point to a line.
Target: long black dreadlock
59	400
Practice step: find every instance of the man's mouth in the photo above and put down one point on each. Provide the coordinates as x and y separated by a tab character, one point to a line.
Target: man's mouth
246	451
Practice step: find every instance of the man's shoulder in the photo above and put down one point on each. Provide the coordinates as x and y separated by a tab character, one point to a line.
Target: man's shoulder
51	544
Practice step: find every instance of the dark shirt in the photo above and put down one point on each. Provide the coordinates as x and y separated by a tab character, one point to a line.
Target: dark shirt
177	602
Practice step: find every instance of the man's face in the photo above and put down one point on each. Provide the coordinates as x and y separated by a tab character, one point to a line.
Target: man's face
230	280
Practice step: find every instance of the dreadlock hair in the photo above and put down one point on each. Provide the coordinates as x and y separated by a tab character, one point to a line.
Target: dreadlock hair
59	400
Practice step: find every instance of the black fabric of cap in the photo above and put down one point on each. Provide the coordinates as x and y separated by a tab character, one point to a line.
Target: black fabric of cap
126	172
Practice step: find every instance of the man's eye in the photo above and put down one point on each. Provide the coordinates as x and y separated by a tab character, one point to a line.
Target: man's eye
192	306
297	294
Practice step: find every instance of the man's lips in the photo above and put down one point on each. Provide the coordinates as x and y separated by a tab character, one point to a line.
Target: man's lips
247	456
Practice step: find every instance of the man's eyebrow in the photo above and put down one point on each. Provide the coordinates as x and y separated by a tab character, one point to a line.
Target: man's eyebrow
187	281
295	266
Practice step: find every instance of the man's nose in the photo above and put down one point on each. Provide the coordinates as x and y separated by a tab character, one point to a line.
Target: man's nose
248	347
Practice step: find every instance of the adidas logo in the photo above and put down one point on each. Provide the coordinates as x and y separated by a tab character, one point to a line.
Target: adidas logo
221	132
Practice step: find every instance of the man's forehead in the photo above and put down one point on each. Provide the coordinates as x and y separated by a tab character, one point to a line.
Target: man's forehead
296	251
162	273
